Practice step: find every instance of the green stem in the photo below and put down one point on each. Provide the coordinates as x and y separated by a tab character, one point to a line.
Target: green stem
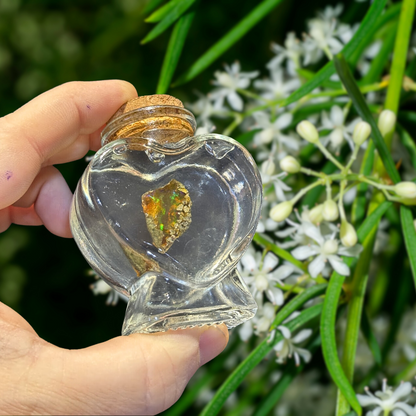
399	59
355	306
328	155
306	190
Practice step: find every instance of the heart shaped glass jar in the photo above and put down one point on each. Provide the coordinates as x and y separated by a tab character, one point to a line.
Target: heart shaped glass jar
164	216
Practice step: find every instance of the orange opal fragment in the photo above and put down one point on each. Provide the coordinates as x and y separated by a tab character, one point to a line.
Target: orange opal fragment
168	213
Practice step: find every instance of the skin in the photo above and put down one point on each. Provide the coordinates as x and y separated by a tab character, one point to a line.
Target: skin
139	374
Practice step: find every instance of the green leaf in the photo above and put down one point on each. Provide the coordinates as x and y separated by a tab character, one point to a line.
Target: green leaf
259	239
401	47
370	338
296	303
366	228
254	358
329	346
380	61
174	50
364	112
151	5
408	143
231	37
177	11
409	234
364	33
162	12
291	371
360	201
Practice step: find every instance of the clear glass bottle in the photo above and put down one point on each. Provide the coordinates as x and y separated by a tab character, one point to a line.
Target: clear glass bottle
164	216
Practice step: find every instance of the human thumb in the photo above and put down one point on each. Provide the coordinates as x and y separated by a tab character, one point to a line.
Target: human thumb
141	374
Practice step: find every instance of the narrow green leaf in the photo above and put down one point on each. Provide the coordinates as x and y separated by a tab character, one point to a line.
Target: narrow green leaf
409	234
296	303
151	5
162	12
408	143
231	37
378	64
370	338
401	47
364	112
174	50
360	201
290	373
254	358
365	229
364	33
259	239
177	11
329	346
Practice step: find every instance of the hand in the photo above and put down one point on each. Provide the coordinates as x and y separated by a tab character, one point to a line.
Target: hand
139	374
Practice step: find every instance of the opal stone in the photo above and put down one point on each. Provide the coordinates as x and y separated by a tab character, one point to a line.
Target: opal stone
168	213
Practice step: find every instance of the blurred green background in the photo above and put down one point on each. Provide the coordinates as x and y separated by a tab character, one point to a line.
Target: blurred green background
46	43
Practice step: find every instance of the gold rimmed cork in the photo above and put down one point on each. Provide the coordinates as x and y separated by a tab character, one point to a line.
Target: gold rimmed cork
168	122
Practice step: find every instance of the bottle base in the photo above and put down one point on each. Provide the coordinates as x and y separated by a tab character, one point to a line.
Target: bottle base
160	304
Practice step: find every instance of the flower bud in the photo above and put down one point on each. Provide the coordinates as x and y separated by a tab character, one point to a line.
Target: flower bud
348	234
308	131
386	122
330	210
361	132
315	214
281	211
405	189
268	167
330	247
290	165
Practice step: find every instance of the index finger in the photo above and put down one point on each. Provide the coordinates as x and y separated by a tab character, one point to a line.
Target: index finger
50	123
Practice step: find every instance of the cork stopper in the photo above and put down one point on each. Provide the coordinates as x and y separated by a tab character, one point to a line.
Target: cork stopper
160	117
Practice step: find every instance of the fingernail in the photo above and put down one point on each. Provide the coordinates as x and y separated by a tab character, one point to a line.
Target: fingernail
212	342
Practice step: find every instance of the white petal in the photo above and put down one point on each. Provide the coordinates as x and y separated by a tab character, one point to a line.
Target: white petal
285	331
270	262
279	346
260	227
283	121
305	354
316	266
314	233
301	336
276	297
303	252
366	400
286	232
402	391
337	116
351	251
338	265
245	331
235	101
398	412
283	271
249	262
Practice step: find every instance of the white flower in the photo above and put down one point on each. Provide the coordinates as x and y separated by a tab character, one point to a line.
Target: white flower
292	52
204	110
100	288
323	36
269	177
260	277
387	400
228	83
260	323
324	249
276	87
273	129
335	122
286	348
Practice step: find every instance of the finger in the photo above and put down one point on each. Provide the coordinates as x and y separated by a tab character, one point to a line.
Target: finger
50	123
51	197
138	374
17	215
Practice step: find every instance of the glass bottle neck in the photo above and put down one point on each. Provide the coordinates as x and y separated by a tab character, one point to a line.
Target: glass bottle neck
161	123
